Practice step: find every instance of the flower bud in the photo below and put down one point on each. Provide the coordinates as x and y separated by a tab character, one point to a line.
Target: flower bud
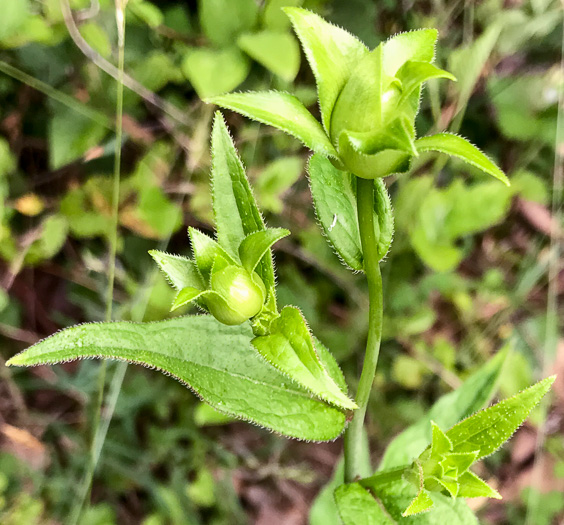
240	295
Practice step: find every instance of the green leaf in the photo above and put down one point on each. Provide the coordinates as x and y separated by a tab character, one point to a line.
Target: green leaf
216	361
487	430
235	210
71	135
474	393
359	105
356	505
276	178
381	164
179	271
190	294
223	20
332	54
289	347
420	503
440	443
273	17
334	197
459	147
256	245
282	111
206	250
398	496
471	486
277	51
215	71
416	45
13	17
324	510
413	73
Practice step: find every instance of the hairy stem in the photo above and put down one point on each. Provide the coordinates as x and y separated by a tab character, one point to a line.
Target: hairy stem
353	435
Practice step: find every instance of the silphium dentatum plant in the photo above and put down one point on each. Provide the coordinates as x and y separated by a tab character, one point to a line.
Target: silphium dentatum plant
250	359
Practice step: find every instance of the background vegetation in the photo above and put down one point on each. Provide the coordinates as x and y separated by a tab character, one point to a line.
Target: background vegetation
474	266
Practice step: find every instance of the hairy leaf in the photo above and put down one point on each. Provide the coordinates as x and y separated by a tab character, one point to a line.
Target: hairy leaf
289	347
282	111
256	245
413	73
216	361
487	430
332	53
180	271
334	197
474	393
459	147
394	499
235	210
416	45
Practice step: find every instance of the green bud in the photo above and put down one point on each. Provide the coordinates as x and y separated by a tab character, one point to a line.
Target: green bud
240	296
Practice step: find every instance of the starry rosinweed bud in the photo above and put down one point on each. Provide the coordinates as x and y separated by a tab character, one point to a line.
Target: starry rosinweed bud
242	294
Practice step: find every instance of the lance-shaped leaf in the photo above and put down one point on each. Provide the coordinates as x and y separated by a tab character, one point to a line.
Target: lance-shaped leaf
206	250
413	73
459	147
472	396
471	486
282	111
397	135
254	246
180	271
235	210
216	361
487	430
191	295
420	503
332	53
289	347
334	198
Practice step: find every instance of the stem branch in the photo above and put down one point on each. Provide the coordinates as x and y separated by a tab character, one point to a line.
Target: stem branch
353	435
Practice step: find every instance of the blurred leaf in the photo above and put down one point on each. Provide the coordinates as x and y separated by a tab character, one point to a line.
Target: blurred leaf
276	178
223	20
71	135
53	236
474	393
278	52
14	15
274	18
96	38
205	416
213	72
202	353
146	11
468	62
201	490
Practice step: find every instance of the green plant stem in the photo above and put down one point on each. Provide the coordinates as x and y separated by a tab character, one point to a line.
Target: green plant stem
353	435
